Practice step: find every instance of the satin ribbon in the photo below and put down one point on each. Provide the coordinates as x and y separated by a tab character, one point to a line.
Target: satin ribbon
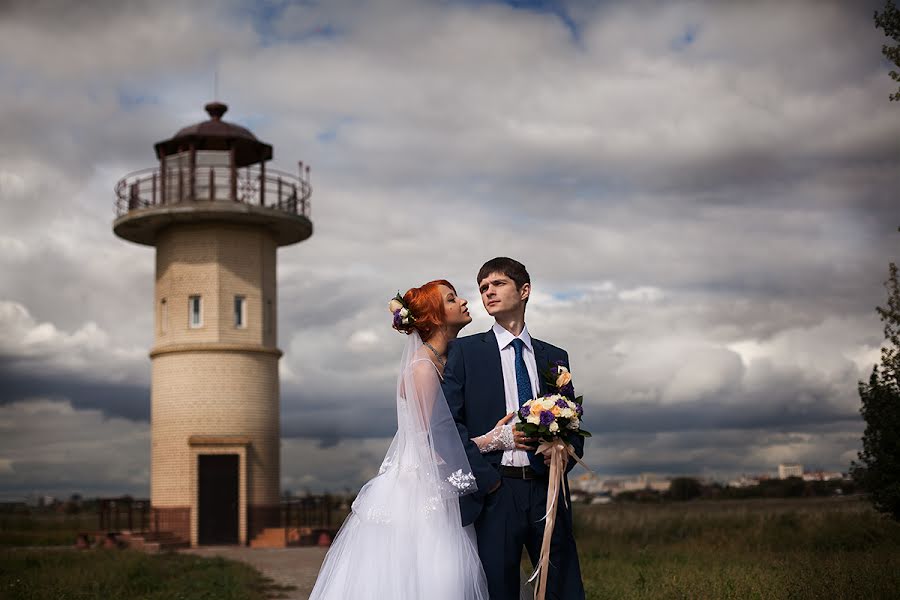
559	452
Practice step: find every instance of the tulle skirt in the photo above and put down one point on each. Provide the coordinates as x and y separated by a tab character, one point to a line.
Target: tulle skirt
402	541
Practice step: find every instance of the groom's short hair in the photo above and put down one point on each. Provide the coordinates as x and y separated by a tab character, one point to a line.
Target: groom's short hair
507	266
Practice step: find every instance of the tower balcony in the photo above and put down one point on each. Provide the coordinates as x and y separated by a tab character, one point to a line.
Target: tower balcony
175	192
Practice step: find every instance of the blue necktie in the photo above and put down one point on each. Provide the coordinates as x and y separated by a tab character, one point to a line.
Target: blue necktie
523	382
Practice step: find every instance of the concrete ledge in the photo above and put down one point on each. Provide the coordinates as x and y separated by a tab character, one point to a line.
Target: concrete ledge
214	347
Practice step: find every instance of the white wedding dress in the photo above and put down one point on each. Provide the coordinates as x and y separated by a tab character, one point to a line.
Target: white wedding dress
403	539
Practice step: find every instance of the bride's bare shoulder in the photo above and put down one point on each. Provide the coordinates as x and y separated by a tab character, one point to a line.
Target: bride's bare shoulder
424	371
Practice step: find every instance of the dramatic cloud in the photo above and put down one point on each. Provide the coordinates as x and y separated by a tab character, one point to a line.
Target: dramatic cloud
703	192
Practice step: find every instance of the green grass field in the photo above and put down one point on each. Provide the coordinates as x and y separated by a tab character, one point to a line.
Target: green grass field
759	549
798	549
55	574
44	528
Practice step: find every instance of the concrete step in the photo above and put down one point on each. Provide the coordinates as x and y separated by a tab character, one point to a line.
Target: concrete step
154	541
270	537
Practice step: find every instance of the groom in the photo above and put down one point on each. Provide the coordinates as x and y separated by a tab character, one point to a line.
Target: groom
487	376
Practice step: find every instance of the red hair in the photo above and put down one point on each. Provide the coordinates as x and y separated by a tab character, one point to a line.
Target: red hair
427	307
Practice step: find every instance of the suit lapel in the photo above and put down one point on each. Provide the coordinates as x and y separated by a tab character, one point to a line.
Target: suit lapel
541	361
494	385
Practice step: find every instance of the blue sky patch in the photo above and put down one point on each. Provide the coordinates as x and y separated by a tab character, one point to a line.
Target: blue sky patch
687	37
131	99
548	7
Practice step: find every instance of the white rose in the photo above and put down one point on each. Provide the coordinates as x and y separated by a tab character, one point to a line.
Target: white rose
548	403
394	306
566	413
404	312
533	419
554	427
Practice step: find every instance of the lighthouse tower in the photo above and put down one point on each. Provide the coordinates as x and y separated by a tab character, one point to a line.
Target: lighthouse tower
216	215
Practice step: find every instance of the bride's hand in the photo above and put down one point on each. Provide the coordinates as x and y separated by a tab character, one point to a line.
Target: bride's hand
501	437
505	420
522	441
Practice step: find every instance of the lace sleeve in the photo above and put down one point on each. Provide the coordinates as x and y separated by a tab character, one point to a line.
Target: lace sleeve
499	438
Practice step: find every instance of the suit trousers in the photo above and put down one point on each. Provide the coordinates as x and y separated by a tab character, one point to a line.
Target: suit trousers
512	519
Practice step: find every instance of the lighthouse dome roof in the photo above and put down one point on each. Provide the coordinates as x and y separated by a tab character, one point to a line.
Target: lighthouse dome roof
216	134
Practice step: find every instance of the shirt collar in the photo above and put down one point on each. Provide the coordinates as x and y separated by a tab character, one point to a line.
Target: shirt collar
505	338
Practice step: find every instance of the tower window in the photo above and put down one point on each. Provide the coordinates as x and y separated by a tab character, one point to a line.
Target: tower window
163	315
195	309
240	311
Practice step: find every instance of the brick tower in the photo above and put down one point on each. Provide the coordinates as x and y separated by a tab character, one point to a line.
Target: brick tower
216	215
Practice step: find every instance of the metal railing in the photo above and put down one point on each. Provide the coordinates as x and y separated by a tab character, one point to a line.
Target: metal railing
252	185
305	518
116	514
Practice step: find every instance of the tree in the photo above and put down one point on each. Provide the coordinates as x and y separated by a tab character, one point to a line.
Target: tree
878	471
889	21
685	488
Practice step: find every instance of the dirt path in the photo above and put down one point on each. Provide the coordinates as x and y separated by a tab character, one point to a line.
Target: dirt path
287	566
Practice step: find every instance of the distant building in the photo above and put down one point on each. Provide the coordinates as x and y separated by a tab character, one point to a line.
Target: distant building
786	470
592	485
743	481
823	476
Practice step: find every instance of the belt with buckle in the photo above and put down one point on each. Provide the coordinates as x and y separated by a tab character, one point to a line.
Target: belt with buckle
518	472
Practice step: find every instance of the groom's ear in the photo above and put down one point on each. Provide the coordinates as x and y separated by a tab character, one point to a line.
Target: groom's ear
525	291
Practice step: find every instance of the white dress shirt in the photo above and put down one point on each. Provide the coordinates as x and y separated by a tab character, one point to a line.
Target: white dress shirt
515	458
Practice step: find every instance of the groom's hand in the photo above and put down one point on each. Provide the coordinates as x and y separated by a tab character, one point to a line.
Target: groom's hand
523	442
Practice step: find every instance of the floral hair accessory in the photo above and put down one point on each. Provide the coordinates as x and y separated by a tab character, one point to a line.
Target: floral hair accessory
403	318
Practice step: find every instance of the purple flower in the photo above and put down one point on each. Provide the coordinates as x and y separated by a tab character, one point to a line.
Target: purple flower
568	390
396	318
562	403
524	412
579	410
547	417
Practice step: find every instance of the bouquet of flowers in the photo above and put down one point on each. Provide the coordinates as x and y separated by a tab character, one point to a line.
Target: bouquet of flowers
553	419
557	414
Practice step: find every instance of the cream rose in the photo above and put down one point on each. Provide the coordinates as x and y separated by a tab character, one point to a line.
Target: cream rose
563	378
533	419
394	306
553	427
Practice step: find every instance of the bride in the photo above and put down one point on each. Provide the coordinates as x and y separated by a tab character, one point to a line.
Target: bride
403	538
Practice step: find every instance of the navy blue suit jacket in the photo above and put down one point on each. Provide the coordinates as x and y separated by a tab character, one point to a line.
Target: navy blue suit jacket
473	386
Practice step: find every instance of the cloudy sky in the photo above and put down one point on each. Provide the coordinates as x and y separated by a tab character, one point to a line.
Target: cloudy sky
705	194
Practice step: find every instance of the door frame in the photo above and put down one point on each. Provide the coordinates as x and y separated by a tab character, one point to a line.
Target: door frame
218	444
